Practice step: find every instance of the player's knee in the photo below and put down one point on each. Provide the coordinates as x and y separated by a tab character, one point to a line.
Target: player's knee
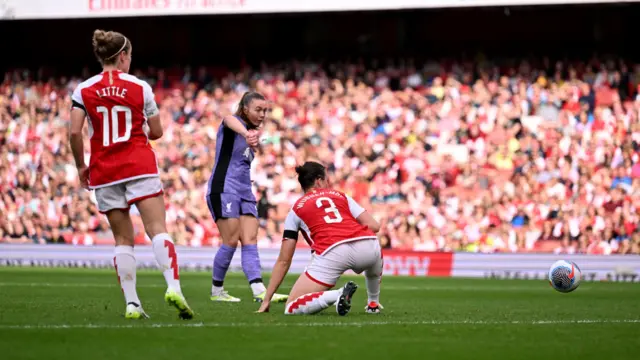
230	238
155	228
249	240
229	231
249	231
233	242
249	236
373	273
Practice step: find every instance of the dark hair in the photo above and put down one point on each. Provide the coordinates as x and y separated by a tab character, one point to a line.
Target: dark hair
107	45
246	100
309	173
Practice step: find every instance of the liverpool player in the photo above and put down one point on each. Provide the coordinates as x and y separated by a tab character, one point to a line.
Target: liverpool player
231	200
342	236
123	117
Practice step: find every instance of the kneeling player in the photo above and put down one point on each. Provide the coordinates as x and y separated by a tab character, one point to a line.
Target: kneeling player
342	237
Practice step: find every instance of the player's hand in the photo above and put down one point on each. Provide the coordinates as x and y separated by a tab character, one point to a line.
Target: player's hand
264	307
83	174
253	138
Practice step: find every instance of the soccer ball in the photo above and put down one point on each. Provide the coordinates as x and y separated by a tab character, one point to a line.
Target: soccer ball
564	276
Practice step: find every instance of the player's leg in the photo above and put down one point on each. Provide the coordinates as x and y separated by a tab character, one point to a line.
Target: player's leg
112	202
374	279
310	297
146	194
311	292
368	257
225	209
152	212
250	257
125	261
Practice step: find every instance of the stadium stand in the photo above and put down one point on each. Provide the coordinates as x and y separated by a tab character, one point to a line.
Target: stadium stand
471	156
509	152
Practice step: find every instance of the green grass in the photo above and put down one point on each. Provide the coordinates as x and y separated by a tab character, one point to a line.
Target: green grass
424	318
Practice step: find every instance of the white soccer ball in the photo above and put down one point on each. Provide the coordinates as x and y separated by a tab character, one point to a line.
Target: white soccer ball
565	276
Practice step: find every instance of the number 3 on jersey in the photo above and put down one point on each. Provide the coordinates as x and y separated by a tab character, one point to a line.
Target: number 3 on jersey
331	210
110	124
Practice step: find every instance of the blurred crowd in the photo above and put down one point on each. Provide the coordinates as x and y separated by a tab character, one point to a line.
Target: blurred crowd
526	156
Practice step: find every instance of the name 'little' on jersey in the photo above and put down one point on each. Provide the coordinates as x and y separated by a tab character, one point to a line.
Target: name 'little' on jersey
326	218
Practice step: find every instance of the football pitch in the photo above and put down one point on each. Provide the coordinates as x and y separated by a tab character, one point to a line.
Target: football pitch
78	314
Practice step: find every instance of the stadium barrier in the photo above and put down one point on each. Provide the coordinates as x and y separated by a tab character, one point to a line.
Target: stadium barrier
397	263
35	9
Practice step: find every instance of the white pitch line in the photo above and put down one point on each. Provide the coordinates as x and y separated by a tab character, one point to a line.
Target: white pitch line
238	286
310	324
44	284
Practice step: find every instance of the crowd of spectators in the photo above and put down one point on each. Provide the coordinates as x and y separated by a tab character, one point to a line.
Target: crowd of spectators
527	156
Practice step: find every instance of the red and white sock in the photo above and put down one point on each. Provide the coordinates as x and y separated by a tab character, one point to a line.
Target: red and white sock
125	264
165	252
312	303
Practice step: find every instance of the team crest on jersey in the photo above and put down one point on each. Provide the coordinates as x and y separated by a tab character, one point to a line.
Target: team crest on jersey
248	154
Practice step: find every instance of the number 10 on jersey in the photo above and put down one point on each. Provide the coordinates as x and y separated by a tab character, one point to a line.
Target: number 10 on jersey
110	124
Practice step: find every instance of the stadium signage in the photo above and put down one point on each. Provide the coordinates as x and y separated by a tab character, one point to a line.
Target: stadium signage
102	256
621	268
615	268
586	276
105	6
45	9
411	263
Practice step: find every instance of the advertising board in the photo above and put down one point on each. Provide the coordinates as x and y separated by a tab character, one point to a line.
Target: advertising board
396	263
47	9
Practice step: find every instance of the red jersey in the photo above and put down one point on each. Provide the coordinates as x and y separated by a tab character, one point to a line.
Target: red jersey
326	218
117	107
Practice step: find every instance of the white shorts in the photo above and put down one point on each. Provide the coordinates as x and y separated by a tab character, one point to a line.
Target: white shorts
122	196
359	256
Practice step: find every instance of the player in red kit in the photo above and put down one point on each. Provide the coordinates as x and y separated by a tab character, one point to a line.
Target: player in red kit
342	236
122	117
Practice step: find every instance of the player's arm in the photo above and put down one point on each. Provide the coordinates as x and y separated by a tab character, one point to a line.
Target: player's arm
155	128
238	127
362	216
78	115
75	136
287	249
280	268
152	113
